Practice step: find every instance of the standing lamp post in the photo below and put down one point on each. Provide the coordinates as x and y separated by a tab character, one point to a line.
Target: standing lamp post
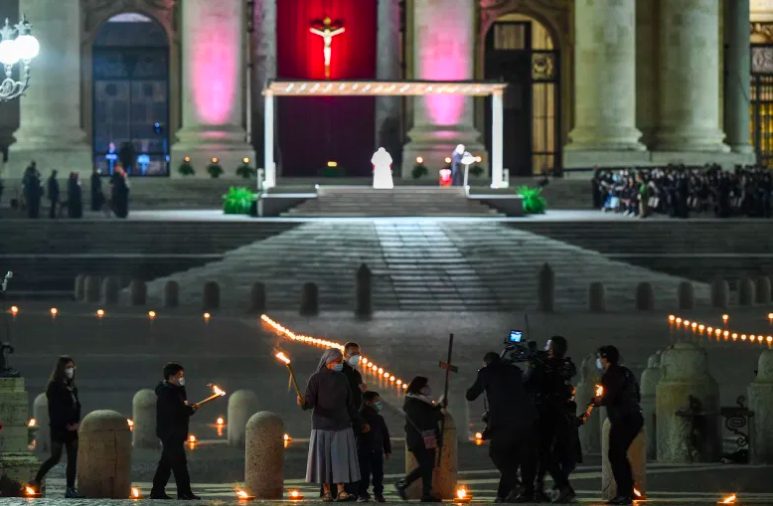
16	44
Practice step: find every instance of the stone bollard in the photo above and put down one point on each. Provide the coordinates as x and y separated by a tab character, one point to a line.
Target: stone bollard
649	386
138	293
637	456
590	435
110	290
144	417
92	288
746	292
645	297
211	295
687	388
720	294
762	290
264	456
43	434
546	289
760	394
363	296
309	300
242	404
80	287
17	464
444	476
686	295
171	296
597	298
104	456
258	297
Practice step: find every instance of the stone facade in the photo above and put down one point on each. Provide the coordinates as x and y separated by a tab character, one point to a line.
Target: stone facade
17	463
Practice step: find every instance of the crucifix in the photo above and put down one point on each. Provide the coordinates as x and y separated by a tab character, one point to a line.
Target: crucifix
449	368
327	32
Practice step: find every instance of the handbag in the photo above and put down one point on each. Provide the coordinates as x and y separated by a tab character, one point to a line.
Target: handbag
428	436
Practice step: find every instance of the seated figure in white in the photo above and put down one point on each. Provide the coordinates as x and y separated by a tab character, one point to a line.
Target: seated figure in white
382	170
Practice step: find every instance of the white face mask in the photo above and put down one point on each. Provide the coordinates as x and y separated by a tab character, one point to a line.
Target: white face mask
180	382
599	365
69	372
354	360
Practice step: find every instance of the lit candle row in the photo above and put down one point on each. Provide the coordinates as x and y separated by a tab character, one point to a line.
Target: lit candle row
367	365
14	310
699	327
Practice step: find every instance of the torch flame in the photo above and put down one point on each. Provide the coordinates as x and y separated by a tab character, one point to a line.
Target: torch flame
729	499
599	390
461	493
217	391
32	422
636	492
281	356
135	492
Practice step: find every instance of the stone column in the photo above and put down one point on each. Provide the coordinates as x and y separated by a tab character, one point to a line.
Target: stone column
444	50
50	112
647	68
388	109
213	66
689	84
760	393
265	66
104	456
17	463
605	86
738	84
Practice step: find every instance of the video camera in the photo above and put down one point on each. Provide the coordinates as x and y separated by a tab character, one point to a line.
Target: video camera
518	351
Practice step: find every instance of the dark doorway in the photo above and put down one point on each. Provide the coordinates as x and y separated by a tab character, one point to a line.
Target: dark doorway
531	101
131	96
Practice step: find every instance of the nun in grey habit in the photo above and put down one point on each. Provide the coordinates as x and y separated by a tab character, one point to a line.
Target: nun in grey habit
332	448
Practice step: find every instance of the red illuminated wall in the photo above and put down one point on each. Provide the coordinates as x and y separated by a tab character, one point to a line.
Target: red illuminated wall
314	130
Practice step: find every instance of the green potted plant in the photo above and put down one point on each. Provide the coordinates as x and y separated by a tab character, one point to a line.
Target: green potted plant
214	169
476	171
533	201
238	200
186	169
245	171
419	169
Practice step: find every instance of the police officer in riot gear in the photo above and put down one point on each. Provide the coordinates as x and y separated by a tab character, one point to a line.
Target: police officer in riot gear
550	379
511	419
621	397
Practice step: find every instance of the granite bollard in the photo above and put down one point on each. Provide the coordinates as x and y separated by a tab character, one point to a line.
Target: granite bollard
720	294
264	456
138	292
211	296
242	404
92	288
170	298
546	289
110	291
257	297
309	300
17	464
637	456
645	297
104	456
687	398
80	287
597	298
144	418
444	476
650	378
760	395
746	292
762	290
590	432
363	296
43	434
686	295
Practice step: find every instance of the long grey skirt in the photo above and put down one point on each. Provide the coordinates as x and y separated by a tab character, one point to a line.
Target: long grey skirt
332	457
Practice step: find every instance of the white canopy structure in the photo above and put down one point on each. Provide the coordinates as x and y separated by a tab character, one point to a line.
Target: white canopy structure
293	88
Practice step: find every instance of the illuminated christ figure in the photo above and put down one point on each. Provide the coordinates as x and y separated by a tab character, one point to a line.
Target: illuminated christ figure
327	33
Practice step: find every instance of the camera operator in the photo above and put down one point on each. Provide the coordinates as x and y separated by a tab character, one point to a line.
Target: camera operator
549	378
621	397
510	425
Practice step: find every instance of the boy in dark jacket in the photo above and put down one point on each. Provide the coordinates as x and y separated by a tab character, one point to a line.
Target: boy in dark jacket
372	448
172	416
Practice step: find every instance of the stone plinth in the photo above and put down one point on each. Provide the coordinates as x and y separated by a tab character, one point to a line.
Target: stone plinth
637	456
686	379
242	404
43	434
648	389
144	418
17	463
104	456
760	394
585	390
264	456
444	476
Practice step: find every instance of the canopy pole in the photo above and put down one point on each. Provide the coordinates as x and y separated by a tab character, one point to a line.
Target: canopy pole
497	137
268	156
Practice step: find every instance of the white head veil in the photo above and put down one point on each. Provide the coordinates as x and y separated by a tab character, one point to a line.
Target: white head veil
330	355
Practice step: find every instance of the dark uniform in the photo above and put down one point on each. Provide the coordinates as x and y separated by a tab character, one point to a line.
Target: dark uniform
621	398
172	418
511	419
354	378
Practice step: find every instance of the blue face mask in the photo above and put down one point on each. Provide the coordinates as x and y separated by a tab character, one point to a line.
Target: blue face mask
599	365
378	405
338	367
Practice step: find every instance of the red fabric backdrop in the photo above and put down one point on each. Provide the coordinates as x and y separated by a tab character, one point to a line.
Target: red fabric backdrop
315	130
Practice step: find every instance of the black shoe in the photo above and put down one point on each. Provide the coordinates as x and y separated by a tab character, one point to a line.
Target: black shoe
380	498
188	497
161	496
498	500
522	498
541	496
72	493
565	495
400	487
429	498
621	500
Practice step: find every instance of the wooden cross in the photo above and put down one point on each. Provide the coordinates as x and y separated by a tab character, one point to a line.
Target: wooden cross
449	368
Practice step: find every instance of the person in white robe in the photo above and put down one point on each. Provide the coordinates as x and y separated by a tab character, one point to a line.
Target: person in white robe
382	170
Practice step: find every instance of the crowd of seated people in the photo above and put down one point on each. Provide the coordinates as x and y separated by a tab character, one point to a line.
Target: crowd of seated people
679	191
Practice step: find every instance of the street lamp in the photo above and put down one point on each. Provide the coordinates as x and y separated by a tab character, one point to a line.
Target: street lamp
24	48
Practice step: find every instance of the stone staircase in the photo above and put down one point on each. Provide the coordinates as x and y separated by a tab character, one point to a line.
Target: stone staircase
425	265
359	201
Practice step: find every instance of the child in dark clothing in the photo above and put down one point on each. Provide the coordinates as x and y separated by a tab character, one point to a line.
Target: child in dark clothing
373	448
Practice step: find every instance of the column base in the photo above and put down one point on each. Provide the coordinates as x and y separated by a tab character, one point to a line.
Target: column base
694	140
725	159
588	159
78	158
607	139
201	146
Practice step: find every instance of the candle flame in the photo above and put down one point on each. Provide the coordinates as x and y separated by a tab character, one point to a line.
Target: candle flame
599	390
130	422
478	436
100	313
729	499
54	311
242	494
191	438
294	493
29	490
135	492
32	422
220	421
287	437
461	493
281	356
14	310
636	492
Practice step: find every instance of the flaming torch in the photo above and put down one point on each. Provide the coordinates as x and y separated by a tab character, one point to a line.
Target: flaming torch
599	393
135	494
32	492
216	394
281	356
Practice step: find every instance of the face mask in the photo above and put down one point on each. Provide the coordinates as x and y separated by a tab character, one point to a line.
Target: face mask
180	382
354	360
378	405
426	391
69	372
338	367
599	365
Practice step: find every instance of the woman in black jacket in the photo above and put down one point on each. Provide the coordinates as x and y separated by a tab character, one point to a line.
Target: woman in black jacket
421	436
64	411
